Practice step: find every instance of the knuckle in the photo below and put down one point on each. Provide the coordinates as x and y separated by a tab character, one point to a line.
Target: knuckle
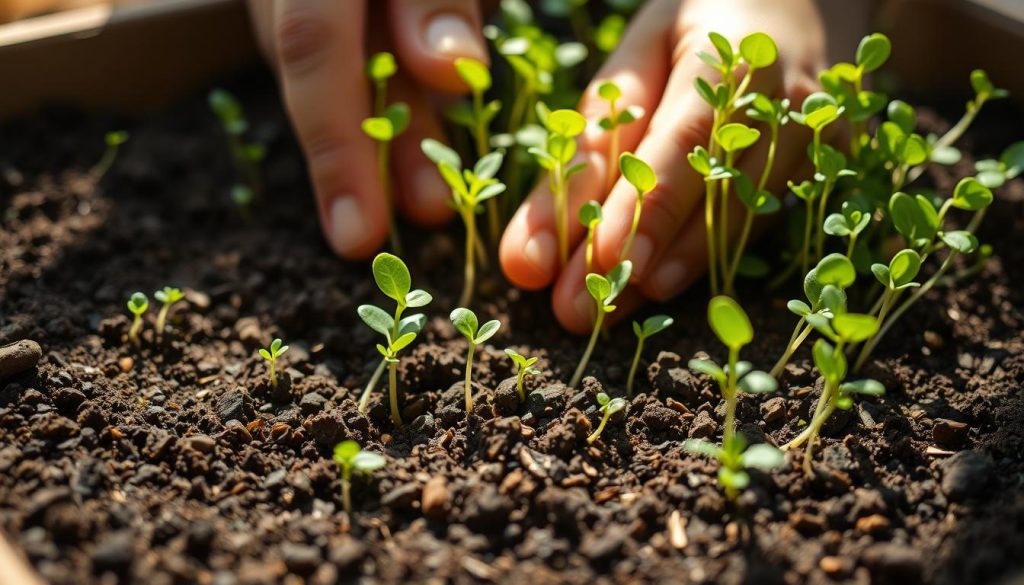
302	39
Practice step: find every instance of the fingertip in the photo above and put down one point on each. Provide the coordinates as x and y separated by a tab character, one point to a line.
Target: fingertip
571	302
528	258
430	36
351	228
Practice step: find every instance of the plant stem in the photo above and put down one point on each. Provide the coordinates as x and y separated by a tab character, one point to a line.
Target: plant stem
952	135
600	427
613	150
819	243
482	148
561	213
133	333
805	254
723	231
161	318
469	284
396	417
520	378
795	341
346	488
107	161
469	377
590	248
590	348
632	369
748	221
730	397
709	224
273	373
364	400
638	207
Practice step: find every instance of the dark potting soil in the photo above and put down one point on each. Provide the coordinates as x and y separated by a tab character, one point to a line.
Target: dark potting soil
175	463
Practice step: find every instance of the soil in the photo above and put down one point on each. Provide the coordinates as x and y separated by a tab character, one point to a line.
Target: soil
175	462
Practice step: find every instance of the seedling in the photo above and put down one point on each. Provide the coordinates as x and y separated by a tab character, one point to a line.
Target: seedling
848	224
604	290
651	326
351	458
735	459
271	354
393	279
470	188
137	304
560	148
612	123
476	75
247	155
113	140
387	123
590	217
642	177
842	330
609	406
168	296
466	323
524	368
994	173
732	327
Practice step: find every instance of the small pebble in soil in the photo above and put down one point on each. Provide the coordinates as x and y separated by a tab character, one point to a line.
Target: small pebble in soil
235	404
891	562
19	356
435	499
949	433
965	475
703	426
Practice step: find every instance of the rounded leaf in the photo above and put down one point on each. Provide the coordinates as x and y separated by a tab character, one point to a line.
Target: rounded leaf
702	447
873	51
758	50
763	456
735	136
798	308
345	451
487	331
138	303
568	123
869	387
830	363
656	324
381	66
590	214
835	269
474	73
961	241
440	153
392	276
618	278
638	173
418	298
367	461
758	382
854	327
971	195
380	129
903	268
729	322
376	319
598	287
465	322
609	91
707	367
615	405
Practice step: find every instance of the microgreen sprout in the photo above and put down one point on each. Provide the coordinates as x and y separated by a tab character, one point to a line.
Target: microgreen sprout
247	155
994	173
609	406
168	295
641	176
271	354
524	366
604	290
351	458
590	217
735	458
563	127
466	323
113	141
476	75
137	304
617	117
393	279
470	188
387	123
732	327
651	326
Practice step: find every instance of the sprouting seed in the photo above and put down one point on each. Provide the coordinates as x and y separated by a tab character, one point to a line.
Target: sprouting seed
271	354
113	141
642	177
137	304
651	326
524	368
604	290
590	217
351	458
609	406
168	295
466	323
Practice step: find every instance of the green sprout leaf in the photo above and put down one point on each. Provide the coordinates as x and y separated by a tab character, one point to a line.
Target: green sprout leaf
758	382
392	277
758	50
609	91
115	138
763	456
873	52
708	368
962	241
169	295
487	331
702	447
465	322
474	73
377	319
830	363
868	387
652	326
724	48
398	114
971	195
835	269
566	123
735	136
903	268
381	66
638	173
346	451
590	214
598	287
380	129
138	303
367	461
729	322
854	327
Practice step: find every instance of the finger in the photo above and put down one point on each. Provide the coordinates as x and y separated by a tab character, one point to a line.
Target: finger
529	248
431	34
319	45
421	194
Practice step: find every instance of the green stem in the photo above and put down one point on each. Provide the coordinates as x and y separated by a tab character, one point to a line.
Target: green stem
482	148
561	213
346	488
590	349
590	249
730	397
273	373
638	207
632	369
723	231
520	378
161	319
819	243
469	378
600	427
469	283
364	400
385	185
613	151
800	333
951	136
805	254
133	333
396	417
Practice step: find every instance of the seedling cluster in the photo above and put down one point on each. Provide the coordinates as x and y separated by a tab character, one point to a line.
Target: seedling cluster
387	123
138	304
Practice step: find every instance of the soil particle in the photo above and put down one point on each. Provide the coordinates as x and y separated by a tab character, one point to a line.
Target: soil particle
949	433
487	509
19	356
602	546
115	552
893	563
235	404
302	559
436	498
402	497
670	377
773	410
346	552
966	475
506	398
703	426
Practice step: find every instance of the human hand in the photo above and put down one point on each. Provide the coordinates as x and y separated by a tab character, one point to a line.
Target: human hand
655	67
319	49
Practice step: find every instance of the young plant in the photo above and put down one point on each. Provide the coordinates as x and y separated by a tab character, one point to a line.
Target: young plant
842	330
609	406
651	326
387	123
524	367
168	295
642	177
590	217
563	127
470	188
735	459
732	327
113	140
247	155
604	290
393	279
476	75
466	323
616	118
351	458
271	354
137	304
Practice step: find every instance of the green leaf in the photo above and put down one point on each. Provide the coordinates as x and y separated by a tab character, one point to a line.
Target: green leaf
835	225
567	123
854	327
763	456
381	66
138	303
609	91
487	167
638	173
822	117
833	299
367	461
615	405
618	278
702	447
723	47
346	451
603	398
873	52
798	308
398	114
758	50
708	368
474	73
656	324
733	479
487	331
971	195
835	269
735	136
377	319
903	115
598	287
1013	158
706	91
903	268
700	160
830	363
402	342
881	272
115	138
590	214
961	241
392	276
418	298
729	322
265	355
412	323
758	382
380	129
465	322
569	55
169	295
869	387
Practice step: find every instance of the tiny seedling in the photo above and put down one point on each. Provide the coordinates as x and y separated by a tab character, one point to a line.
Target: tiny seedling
470	189
590	217
246	155
137	304
393	279
387	123
168	295
651	326
732	327
271	354
609	406
525	368
476	75
642	177
735	459
113	140
351	458
617	117
563	127
466	323
604	290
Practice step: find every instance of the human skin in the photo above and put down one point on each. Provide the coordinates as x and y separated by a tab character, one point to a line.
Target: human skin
318	48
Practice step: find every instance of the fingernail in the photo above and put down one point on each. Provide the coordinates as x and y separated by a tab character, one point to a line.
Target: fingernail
431	191
347	224
452	36
669	277
640	254
585	306
539	251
